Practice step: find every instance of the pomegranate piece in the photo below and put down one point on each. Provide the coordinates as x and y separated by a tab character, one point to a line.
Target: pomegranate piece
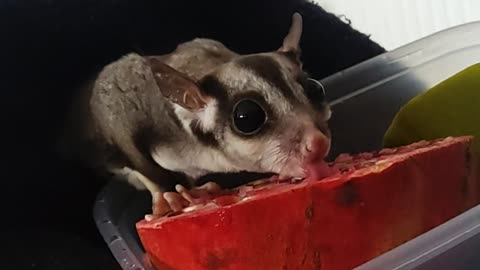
368	204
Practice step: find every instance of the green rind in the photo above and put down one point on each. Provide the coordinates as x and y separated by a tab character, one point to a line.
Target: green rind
451	108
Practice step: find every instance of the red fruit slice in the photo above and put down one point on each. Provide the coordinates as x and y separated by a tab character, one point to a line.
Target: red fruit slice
372	203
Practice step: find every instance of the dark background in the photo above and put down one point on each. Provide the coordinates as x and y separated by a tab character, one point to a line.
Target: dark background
47	47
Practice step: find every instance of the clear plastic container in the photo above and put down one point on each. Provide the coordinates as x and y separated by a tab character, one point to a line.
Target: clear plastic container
365	99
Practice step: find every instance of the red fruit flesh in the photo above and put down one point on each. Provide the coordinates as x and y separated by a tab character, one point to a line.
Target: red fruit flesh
372	203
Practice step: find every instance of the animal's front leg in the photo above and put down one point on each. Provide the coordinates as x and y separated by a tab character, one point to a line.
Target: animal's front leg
160	206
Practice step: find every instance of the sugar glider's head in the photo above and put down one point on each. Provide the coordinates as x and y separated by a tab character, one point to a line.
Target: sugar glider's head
260	112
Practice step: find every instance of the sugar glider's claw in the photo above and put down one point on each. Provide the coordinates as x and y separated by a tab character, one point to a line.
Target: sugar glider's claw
175	200
209	188
184	193
198	194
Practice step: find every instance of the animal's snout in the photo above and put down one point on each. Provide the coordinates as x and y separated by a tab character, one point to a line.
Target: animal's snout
315	145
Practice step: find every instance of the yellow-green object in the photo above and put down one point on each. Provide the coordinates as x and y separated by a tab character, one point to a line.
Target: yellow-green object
451	108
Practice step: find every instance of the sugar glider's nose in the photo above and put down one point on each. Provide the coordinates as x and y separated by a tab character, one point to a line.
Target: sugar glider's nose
315	145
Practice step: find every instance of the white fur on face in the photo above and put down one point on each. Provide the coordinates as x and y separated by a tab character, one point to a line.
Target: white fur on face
274	155
282	160
206	116
247	154
193	160
258	155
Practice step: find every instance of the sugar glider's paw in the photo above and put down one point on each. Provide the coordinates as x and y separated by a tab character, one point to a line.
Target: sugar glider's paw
165	203
133	177
199	194
175	201
162	204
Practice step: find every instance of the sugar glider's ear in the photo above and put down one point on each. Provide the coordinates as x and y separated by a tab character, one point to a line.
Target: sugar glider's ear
177	86
291	43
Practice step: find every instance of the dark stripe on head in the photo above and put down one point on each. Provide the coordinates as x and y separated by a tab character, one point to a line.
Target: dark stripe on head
206	138
211	86
268	69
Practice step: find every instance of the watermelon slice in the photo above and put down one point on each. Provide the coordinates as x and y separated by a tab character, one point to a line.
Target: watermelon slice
371	203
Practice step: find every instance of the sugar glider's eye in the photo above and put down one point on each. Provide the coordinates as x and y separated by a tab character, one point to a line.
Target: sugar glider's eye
248	117
314	90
